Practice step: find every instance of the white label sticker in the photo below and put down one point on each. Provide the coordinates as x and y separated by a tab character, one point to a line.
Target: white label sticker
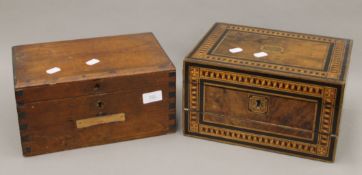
236	50
53	70
152	97
92	62
260	54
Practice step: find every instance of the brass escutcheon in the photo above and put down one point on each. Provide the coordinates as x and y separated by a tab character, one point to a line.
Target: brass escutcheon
258	104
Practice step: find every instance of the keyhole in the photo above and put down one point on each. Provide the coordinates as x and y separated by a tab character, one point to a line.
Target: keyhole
258	103
97	87
100	104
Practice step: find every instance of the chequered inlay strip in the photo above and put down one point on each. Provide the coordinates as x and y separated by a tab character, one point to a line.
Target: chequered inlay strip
258	81
172	101
264	140
194	99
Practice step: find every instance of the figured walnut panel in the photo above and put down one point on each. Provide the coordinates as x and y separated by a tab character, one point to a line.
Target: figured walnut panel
283	51
281	115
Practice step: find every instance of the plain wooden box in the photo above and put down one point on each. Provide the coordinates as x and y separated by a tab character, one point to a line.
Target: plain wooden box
88	102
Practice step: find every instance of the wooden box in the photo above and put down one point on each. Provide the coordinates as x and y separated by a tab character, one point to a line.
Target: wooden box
87	92
266	89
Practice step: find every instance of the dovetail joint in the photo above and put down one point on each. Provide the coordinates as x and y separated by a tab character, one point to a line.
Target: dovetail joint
26	150
172	94
25	138
172	74
23	126
19	93
21	115
172	116
172	84
172	106
173	127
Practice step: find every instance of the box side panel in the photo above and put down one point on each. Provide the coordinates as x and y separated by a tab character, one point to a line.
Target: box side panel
347	60
147	104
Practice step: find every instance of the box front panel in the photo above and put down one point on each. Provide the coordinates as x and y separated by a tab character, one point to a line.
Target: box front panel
249	108
129	113
275	113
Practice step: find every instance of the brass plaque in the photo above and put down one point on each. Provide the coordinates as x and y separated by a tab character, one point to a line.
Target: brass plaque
84	123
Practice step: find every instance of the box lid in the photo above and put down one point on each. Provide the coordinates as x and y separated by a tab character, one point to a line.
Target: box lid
84	59
276	52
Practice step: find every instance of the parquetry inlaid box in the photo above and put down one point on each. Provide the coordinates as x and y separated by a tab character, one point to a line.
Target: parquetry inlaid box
267	89
87	92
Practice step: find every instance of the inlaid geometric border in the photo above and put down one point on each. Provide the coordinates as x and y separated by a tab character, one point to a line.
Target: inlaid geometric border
326	93
318	149
336	59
